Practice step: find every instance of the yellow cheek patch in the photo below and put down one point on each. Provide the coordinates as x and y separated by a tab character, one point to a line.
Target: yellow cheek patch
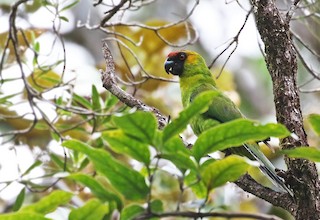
191	58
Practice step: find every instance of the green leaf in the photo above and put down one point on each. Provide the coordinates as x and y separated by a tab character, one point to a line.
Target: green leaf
22	216
156	206
64	18
121	143
72	4
84	163
50	202
175	151
36	46
314	120
59	100
93	209
309	153
81	101
4	100
42	79
34	165
131	212
219	172
127	181
19	201
199	105
33	6
95	99
96	188
140	125
111	100
56	159
42	125
55	136
197	185
235	133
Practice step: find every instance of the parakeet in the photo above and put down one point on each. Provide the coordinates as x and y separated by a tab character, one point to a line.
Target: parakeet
195	77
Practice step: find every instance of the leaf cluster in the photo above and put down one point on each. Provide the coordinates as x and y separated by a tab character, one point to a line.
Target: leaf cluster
131	191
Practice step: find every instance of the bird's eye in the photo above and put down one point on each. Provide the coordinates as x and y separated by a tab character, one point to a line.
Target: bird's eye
182	56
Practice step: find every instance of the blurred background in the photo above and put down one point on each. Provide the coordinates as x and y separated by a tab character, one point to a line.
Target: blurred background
59	46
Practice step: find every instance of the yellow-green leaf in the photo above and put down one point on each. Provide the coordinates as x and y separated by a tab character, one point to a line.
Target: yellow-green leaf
96	188
130	183
23	216
235	133
140	125
219	172
131	212
309	153
314	120
123	144
41	80
96	105
22	36
49	203
17	205
175	151
93	209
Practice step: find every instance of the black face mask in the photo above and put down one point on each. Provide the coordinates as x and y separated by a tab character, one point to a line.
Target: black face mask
174	64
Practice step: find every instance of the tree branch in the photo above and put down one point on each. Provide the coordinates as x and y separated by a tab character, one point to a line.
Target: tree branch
196	215
109	83
111	12
281	62
248	184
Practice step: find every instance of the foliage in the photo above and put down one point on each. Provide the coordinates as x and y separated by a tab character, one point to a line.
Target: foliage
39	209
136	136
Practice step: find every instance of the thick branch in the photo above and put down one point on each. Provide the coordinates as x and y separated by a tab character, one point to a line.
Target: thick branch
248	184
282	64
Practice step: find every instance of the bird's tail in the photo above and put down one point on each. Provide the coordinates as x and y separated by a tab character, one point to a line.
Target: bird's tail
267	167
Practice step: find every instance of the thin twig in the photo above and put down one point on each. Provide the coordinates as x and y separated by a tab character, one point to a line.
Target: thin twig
112	12
292	9
235	40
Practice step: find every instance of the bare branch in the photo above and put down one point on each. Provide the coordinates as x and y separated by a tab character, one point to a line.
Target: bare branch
104	24
303	61
309	90
109	82
147	75
235	40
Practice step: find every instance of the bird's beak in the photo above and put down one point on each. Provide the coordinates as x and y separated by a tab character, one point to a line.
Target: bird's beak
168	66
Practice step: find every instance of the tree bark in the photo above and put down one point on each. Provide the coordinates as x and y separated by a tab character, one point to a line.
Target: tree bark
281	60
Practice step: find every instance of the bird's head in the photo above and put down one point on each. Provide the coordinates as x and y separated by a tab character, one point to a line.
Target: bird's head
184	63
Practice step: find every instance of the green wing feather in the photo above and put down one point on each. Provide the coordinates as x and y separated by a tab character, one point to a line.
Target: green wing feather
221	110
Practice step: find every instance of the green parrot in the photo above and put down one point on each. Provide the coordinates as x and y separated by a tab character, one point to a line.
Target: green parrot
195	77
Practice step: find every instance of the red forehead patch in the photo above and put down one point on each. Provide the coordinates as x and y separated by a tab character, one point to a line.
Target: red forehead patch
172	54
